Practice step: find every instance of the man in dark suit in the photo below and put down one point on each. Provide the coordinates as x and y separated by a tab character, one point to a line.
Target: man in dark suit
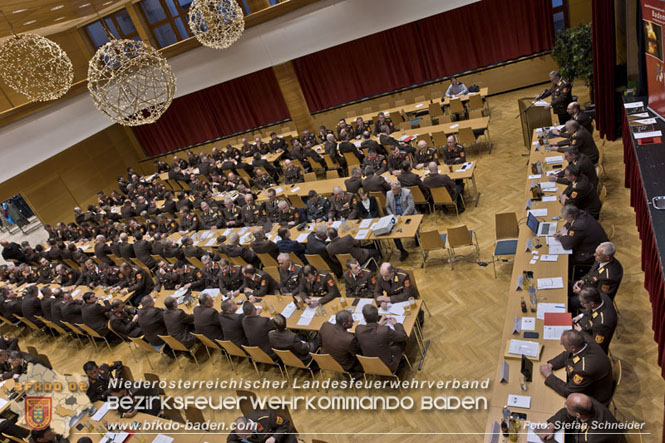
408	179
151	321
71	310
588	369
374	183
581	233
232	248
143	251
178	323
605	274
31	306
436	180
354	182
257	328
135	281
286	245
262	426
206	319
342	345
261	245
232	324
317	207
598	321
316	244
585	165
94	315
102	250
580	192
257	283
283	339
378	340
349	245
581	117
580	139
124	320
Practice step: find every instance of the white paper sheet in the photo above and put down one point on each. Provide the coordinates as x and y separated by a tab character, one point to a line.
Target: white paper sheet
362	302
304	321
554	332
161	438
302	238
288	311
535	177
214	292
393	308
542	212
554	159
532	437
336	224
648	134
549	198
549	258
549	307
528	323
278	190
550	283
519	401
526	347
645	121
633	105
296	189
362	234
114	437
365	223
101	412
454	126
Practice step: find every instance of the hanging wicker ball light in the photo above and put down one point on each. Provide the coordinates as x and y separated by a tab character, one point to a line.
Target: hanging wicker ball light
216	23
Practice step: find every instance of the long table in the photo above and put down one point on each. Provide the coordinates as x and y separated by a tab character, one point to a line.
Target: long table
544	401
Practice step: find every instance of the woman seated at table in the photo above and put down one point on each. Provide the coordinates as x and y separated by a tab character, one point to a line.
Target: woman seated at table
367	206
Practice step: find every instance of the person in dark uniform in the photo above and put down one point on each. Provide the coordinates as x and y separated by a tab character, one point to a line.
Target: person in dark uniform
407	178
588	369
393	285
286	215
178	323
98	379
290	275
287	245
359	282
136	282
580	139
143	251
332	149
283	339
292	173
580	192
261	245
377	161
318	207
381	121
354	182
599	319
232	323
346	147
257	283
341	344
437	180
453	152
102	250
395	159
315	283
316	244
343	205
361	128
585	165
188	277
230	278
124	320
349	245
233	249
211	218
424	155
378	340
95	315
581	233
276	143
210	272
251	213
605	274
562	95
206	318
368	144
581	117
257	328
262	426
31	306
585	419
373	182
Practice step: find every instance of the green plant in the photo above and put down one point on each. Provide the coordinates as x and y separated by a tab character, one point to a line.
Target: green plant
574	54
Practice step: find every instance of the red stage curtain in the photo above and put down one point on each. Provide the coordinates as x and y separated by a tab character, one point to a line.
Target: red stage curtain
465	38
604	54
242	103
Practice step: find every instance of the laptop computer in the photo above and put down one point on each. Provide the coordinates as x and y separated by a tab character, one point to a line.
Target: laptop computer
541	229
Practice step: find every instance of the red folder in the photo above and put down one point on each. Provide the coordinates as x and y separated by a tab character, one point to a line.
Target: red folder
558	319
649	141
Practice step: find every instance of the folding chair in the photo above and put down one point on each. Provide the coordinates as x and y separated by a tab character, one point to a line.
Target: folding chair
507	232
351	159
459	237
400	102
326	362
30	325
439	139
376	366
176	345
142	344
194	415
267	259
296	201
342	258
238	261
331	174
288	358
457	108
318	262
208	344
273	271
76	332
419	197
617	375
441	197
231	350
295	259
258	355
93	335
381	200
310	176
466	137
432	241
475	103
60	330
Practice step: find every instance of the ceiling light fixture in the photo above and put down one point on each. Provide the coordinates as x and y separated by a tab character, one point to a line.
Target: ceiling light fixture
55	8
59	18
216	23
19	11
30	22
84	5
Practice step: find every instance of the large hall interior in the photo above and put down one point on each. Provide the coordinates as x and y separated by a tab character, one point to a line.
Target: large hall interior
332	221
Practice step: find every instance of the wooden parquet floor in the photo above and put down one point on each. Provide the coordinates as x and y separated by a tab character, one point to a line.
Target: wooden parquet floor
468	307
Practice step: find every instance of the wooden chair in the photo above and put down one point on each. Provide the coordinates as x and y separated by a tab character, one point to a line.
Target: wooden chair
6	321
318	262
507	231
419	197
441	197
273	271
139	343
435	111
326	362
295	259
258	355
439	139
617	375
30	325
376	366
75	330
432	241
238	261
154	379
195	262
267	259
475	114
459	237
436	95
381	200
420	99
343	258
457	108
288	358
231	350
476	103
93	335
72	264
425	137
194	415
310	176
176	345
296	201
400	102
172	413
59	329
404	126
425	121
208	344
466	137
329	162
351	159
331	174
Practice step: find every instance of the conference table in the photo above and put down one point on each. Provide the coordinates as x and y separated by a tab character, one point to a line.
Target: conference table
419	106
544	401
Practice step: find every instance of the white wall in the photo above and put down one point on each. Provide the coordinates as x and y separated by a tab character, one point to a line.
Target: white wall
321	25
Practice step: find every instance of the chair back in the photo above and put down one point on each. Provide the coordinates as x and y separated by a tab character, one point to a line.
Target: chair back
425	137
207	342
456	106
342	258
28	323
351	159
400	102
246	399
602	195
435	110
73	328
380	199
329	162
289	358
475	102
72	264
272	271
426	120
142	344
419	99
295	259
88	330
173	343
140	264
267	259
327	362
465	136
259	355
318	262
332	173
459	236
115	259
418	196
231	348
476	114
506	226
431	240
52	325
439	138
110	328
404	126
194	415
310	176
441	196
374	365
296	201
238	261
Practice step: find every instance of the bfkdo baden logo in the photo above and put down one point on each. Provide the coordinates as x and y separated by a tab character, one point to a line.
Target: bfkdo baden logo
38	411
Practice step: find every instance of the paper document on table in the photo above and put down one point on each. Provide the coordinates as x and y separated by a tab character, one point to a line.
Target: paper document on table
465	166
419	105
114	437
302	238
309	311
278	190
633	105
288	311
454	126
393	309
211	242
538	212
549	307
550	283
519	401
532	437
547	185
296	189
365	223
101	412
645	121
304	321
213	292
362	234
333	319
554	159
3	402
555	246
638	115
398	318
524	347
359	318
535	177
539	103
358	144
227	232
554	332
549	257
648	134
76	292
549	198
528	323
362	302
336	224
161	438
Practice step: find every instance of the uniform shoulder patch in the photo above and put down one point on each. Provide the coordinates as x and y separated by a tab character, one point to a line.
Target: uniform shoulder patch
604	288
573	194
571	233
599	339
577	379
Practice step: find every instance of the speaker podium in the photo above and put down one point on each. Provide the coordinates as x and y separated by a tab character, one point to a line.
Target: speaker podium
532	117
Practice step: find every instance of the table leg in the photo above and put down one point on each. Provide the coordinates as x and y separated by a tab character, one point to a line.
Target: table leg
476	194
